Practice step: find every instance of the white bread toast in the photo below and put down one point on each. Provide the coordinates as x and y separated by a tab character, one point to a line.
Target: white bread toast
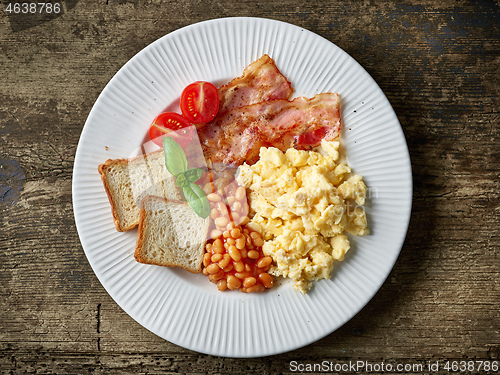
171	234
128	181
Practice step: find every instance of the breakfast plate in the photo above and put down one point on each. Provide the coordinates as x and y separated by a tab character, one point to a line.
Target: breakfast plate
184	308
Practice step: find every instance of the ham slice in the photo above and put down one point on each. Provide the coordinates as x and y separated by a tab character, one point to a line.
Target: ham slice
261	81
237	136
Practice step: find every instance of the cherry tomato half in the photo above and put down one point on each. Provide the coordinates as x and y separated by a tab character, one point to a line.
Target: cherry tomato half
173	125
200	102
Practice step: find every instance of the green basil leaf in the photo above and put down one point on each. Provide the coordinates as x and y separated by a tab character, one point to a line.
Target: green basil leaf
197	200
175	158
193	174
181	180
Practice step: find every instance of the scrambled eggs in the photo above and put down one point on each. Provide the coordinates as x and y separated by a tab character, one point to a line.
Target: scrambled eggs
302	202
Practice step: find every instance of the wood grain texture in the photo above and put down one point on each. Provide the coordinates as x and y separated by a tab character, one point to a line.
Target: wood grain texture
437	62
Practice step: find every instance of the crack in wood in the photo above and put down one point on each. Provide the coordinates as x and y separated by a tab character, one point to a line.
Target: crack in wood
15	118
98	317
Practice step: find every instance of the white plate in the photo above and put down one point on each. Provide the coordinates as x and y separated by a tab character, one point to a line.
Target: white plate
187	309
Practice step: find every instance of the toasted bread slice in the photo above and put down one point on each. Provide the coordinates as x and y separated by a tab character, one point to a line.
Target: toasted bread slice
128	181
171	234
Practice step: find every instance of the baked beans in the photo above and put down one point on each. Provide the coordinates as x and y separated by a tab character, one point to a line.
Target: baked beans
233	254
235	268
229	207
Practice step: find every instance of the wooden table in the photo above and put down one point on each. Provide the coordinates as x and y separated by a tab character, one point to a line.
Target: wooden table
437	62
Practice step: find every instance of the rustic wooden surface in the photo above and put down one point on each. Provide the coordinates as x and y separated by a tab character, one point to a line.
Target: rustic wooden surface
438	63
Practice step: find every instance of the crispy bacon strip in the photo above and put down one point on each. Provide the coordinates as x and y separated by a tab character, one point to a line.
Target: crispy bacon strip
237	136
261	81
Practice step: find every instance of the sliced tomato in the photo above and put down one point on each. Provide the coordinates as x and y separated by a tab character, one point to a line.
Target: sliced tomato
200	102
173	125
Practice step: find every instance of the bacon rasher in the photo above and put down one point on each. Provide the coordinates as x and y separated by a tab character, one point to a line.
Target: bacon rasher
302	123
261	81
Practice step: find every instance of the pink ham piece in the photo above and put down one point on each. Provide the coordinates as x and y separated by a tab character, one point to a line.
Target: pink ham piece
302	123
261	81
